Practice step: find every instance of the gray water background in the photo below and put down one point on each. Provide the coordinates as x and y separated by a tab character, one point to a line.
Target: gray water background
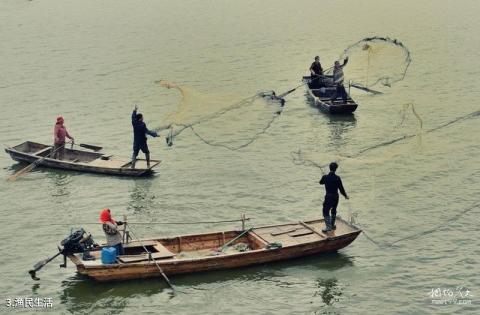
90	61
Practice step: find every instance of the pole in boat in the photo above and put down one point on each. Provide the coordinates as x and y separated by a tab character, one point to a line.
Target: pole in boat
221	249
150	258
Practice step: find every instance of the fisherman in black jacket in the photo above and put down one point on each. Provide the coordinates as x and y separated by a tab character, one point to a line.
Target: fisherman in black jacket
333	183
316	74
140	132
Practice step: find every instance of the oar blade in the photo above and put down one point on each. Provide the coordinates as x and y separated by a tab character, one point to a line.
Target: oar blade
24	170
366	89
91	147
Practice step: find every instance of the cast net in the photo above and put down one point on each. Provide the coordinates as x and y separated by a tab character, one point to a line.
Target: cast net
219	119
377	61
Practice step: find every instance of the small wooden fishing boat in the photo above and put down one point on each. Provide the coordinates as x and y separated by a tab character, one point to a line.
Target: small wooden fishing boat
323	98
214	251
79	160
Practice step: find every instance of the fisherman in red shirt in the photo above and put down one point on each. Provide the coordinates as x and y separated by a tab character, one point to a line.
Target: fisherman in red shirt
59	134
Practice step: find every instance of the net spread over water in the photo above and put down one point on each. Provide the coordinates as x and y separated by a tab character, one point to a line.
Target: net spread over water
218	119
377	60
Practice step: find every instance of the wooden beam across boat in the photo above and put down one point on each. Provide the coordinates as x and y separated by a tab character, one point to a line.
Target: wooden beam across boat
199	252
80	160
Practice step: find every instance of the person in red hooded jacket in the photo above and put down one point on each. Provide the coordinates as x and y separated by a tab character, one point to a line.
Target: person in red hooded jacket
112	234
59	134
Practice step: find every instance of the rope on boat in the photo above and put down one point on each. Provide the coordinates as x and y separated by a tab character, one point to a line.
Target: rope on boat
159	223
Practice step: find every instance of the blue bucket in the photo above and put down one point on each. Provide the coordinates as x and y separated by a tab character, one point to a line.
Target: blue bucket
109	255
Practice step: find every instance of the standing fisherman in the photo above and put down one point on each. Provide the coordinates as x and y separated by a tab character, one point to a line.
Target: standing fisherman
110	227
140	132
338	80
333	183
316	74
59	134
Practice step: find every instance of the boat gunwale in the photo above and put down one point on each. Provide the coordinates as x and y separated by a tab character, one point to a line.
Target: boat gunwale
354	234
330	108
173	261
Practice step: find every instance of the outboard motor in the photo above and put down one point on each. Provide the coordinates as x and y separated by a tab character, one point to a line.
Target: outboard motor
77	242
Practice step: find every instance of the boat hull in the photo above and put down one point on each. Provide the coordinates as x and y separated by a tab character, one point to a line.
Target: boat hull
98	165
215	263
322	98
261	255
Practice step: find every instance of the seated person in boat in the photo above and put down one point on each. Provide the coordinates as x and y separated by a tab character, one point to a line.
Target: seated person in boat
338	80
316	74
59	134
110	227
140	132
333	183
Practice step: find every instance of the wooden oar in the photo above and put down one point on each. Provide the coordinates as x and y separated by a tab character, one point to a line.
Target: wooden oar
31	166
90	146
366	89
156	263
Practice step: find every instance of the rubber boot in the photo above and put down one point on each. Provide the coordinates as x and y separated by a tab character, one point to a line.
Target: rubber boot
134	160
328	226
332	223
147	157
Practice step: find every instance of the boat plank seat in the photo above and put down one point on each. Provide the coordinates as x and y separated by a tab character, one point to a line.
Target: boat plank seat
162	253
301	233
39	152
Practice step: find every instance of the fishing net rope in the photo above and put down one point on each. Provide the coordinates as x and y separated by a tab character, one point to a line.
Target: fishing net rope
302	158
376	60
211	117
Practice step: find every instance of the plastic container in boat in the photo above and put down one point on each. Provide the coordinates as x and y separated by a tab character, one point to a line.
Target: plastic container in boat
109	255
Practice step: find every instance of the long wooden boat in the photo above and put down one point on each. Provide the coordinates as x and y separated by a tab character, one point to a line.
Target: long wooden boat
323	98
79	160
199	252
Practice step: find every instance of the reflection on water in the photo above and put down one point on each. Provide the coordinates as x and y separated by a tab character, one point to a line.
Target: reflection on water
82	295
328	290
35	288
340	126
142	199
59	181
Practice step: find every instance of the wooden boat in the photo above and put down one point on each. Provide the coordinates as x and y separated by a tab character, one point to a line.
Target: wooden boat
79	160
322	98
199	252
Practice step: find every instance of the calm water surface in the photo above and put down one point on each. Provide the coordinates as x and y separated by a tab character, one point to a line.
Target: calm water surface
90	61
